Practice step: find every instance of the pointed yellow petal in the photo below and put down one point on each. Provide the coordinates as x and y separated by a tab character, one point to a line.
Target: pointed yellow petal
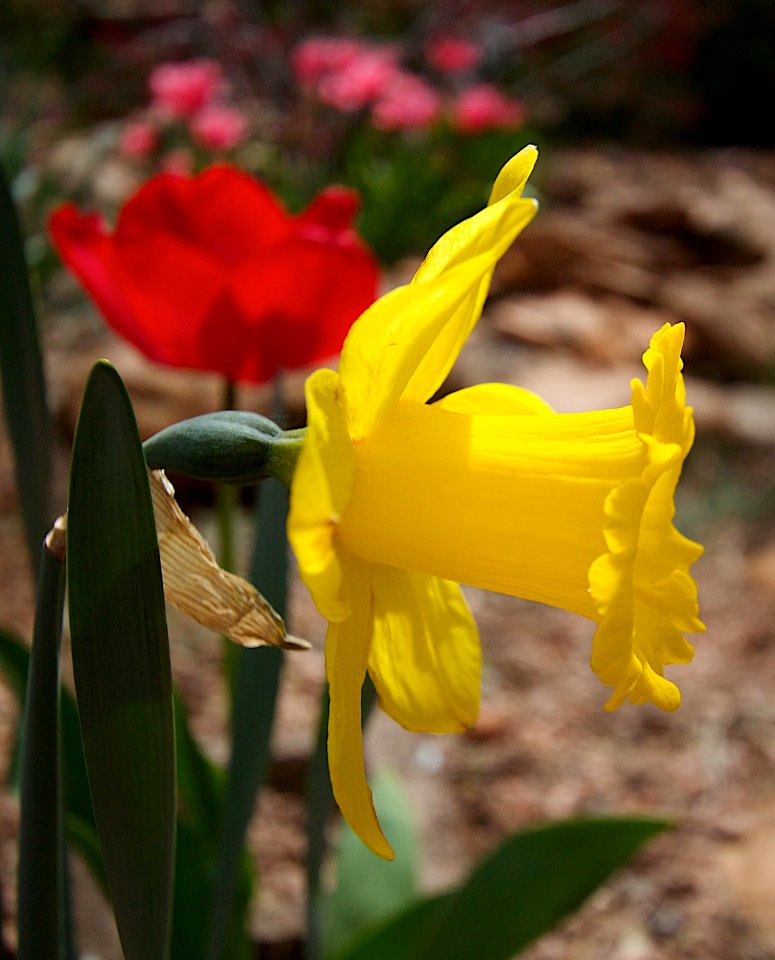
347	651
494	399
514	175
388	343
404	345
425	658
456	242
321	489
482	240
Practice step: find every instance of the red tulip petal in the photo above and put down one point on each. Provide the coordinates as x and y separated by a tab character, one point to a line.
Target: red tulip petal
223	212
89	253
211	273
334	208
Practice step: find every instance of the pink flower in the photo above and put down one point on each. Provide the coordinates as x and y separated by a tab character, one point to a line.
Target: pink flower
219	127
484	107
315	58
138	139
452	54
408	103
182	89
361	80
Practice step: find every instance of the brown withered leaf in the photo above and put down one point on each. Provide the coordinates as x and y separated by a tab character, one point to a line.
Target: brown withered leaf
198	587
193	581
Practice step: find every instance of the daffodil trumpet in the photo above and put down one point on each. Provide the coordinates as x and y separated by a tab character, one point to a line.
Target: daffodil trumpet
395	501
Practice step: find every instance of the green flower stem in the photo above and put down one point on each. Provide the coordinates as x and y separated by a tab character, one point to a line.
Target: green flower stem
226	497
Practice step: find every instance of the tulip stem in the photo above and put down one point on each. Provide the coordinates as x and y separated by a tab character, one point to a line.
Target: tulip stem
226	498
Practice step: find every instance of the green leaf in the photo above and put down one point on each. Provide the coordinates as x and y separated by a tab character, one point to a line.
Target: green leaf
396	938
257	680
369	889
42	901
517	893
81	830
121	663
24	388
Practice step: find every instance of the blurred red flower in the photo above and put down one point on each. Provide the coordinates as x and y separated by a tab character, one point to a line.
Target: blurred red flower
219	127
484	107
181	89
212	273
452	54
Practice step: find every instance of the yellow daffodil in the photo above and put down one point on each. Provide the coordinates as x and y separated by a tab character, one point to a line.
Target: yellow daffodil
395	501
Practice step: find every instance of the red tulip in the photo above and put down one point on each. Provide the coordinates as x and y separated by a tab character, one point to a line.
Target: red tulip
211	272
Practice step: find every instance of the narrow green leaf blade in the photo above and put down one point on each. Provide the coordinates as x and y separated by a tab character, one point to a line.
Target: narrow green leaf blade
257	681
81	830
529	883
121	663
369	889
42	901
23	382
200	792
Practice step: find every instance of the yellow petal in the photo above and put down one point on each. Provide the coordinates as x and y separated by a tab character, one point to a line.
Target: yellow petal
347	651
404	345
455	243
494	399
389	340
514	175
507	503
425	657
642	589
320	491
479	243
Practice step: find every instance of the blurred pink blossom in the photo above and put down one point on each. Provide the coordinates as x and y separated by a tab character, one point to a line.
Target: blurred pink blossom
218	127
452	54
315	58
361	80
485	107
138	139
182	89
407	103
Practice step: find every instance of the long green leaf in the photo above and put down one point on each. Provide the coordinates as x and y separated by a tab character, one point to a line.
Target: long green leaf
42	902
368	888
121	663
519	892
80	827
396	938
24	388
255	694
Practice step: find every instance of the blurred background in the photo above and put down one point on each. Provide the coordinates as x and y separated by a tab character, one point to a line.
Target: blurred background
657	191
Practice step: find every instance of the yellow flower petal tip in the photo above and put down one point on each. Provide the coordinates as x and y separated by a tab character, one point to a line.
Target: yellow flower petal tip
514	175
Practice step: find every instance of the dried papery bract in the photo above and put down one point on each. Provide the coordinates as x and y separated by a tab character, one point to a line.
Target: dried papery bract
193	581
198	587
